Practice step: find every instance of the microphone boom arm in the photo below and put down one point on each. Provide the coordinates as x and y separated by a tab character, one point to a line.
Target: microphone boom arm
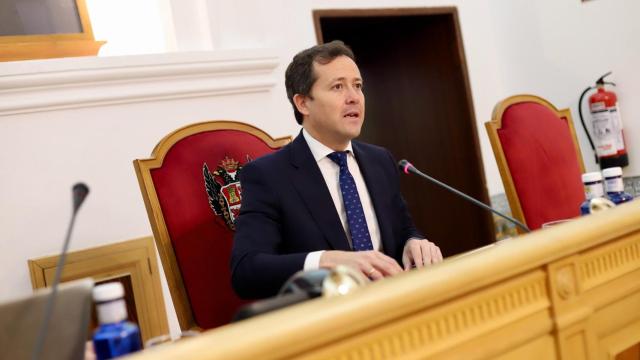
407	167
79	192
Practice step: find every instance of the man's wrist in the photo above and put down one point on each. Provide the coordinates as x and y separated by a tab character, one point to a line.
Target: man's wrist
413	238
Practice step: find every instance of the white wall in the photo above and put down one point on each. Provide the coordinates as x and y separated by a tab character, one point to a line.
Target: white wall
132	27
86	119
557	48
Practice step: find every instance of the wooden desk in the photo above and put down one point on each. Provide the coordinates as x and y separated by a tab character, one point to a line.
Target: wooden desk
566	292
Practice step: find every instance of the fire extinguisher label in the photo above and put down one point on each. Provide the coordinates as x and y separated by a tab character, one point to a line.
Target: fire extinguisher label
598	106
617	127
603	131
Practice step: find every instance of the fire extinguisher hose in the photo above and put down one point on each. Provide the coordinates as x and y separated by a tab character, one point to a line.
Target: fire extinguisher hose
583	124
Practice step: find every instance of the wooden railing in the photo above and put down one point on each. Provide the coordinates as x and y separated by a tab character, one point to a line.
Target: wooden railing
569	292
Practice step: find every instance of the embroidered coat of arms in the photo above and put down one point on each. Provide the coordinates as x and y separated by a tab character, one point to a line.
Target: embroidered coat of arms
224	190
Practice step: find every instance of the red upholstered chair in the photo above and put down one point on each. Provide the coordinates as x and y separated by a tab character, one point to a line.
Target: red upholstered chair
539	159
192	195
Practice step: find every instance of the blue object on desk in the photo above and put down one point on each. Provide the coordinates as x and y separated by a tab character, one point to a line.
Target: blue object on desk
115	336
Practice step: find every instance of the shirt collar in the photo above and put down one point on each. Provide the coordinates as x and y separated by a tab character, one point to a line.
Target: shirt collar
318	149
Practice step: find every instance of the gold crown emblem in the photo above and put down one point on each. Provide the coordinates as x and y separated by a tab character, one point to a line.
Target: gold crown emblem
229	164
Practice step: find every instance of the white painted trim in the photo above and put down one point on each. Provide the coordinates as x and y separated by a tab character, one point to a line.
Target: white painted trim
44	85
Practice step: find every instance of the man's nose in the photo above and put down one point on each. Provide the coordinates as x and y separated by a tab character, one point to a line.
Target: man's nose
353	96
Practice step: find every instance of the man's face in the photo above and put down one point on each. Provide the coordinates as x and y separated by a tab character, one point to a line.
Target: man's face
334	111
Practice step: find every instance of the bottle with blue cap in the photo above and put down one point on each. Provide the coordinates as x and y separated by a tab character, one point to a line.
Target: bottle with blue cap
614	185
593	188
115	336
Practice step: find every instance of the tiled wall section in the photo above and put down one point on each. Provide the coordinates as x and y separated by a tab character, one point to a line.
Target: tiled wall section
505	229
632	185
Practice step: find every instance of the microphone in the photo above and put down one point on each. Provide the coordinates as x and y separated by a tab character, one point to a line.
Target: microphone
79	192
407	168
306	285
301	286
268	305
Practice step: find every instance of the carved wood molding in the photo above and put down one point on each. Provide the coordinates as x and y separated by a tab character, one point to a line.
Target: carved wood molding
606	263
454	323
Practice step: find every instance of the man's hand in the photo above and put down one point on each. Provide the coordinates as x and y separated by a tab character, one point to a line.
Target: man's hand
420	252
373	264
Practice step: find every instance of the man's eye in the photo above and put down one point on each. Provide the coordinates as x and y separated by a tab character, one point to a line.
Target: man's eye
359	86
337	86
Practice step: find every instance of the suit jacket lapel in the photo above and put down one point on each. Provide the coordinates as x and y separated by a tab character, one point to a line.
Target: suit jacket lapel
310	184
372	174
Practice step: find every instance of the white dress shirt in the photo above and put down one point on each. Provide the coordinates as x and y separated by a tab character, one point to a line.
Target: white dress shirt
331	171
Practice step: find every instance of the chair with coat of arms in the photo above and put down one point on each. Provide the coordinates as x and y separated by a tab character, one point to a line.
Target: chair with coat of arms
539	159
192	193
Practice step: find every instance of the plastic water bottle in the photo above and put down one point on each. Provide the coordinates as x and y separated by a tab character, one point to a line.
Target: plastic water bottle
592	189
115	336
615	186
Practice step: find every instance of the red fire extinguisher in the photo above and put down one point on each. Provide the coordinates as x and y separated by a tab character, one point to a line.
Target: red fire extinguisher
608	136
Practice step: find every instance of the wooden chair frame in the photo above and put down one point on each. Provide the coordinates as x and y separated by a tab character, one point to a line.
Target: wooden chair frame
492	131
161	234
133	258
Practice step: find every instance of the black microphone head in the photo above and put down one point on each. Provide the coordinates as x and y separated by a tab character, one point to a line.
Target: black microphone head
308	282
405	166
80	192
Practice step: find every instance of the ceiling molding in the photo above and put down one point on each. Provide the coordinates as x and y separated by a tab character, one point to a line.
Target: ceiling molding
45	85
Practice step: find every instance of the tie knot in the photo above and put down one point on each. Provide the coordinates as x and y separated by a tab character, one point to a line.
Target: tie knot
339	157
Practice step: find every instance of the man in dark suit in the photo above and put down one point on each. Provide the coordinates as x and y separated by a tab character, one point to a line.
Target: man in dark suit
323	200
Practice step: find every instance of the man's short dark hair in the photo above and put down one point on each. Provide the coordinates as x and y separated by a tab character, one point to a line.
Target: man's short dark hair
299	77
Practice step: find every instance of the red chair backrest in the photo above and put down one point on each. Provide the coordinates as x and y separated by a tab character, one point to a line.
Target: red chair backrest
199	195
540	150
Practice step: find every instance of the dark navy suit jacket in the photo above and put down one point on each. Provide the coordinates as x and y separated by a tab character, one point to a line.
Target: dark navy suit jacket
287	212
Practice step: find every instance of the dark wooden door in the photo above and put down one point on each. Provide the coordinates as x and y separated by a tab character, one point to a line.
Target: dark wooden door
419	106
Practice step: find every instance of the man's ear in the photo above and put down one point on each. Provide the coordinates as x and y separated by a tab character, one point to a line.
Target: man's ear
301	103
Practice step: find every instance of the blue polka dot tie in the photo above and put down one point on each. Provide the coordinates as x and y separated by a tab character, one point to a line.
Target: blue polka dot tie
360	237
